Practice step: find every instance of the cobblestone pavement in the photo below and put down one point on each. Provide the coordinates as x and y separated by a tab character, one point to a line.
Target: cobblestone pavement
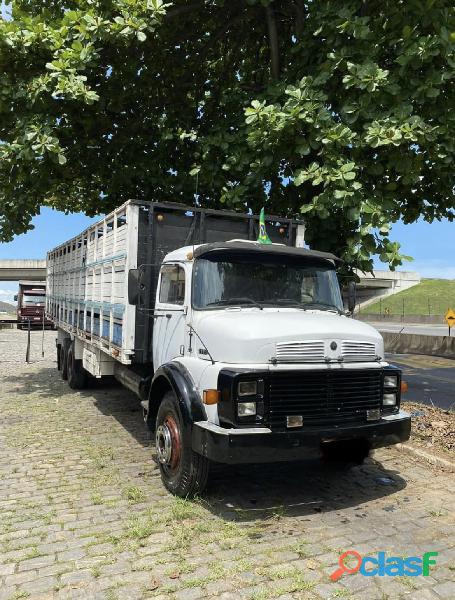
83	513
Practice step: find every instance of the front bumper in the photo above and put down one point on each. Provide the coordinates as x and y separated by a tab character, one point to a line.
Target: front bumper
257	445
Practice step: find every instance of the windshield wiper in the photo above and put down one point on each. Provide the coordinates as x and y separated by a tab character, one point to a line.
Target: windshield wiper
234	301
324	306
289	302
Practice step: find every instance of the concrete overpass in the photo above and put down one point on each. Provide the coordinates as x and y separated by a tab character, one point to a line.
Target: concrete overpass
29	268
380	284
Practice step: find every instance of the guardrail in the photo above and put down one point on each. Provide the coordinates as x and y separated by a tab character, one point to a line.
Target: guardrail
413	343
414	319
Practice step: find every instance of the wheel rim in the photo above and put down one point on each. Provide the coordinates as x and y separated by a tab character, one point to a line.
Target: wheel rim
168	443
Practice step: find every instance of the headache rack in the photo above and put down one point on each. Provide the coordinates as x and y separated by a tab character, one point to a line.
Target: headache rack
87	276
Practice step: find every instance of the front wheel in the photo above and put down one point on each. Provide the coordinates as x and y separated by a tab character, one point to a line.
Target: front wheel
183	471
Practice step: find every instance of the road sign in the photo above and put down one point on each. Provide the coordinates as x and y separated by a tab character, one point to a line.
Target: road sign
450	318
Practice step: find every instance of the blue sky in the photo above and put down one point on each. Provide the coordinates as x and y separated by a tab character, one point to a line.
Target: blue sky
431	245
4	9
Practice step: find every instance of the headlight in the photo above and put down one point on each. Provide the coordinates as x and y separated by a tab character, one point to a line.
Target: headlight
247	388
390	381
389	399
246	409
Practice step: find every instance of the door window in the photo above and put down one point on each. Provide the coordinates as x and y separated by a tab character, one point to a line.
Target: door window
172	287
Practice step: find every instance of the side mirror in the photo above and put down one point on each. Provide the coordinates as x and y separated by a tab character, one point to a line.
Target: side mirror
139	284
352	296
15	298
133	286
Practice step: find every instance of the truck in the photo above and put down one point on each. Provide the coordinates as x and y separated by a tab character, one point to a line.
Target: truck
31	301
239	351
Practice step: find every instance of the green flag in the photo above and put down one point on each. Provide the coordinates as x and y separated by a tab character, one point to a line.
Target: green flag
263	237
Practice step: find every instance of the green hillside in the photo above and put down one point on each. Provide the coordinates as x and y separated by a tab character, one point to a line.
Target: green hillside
431	296
7	307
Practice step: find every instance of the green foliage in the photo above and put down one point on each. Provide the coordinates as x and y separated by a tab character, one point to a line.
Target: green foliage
342	112
431	296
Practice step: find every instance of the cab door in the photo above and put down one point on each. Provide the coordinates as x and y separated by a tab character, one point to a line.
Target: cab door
170	314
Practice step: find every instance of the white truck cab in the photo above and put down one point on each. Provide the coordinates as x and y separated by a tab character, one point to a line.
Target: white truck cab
261	334
253	359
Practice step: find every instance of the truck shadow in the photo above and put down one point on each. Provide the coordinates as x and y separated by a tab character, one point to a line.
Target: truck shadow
272	491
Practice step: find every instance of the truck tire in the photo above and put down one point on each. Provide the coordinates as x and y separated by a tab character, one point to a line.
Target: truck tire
183	472
59	357
64	358
77	375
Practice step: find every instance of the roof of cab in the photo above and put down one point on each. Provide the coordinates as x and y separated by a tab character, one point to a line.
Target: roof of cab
242	247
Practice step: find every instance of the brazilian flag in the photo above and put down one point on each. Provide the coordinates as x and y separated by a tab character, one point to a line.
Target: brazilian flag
263	237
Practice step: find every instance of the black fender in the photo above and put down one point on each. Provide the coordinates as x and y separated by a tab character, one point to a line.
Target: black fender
174	376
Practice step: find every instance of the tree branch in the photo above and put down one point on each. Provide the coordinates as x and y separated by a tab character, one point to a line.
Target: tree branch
299	17
273	42
183	10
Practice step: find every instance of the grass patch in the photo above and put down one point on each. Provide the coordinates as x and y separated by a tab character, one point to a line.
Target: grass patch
142	526
183	509
101	456
343	593
33	553
134	494
19	594
97	498
296	583
430	297
437	513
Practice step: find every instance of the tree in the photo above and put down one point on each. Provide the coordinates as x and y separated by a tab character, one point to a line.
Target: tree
340	111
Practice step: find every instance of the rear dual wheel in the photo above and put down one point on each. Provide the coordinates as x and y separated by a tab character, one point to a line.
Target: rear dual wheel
183	471
62	361
77	375
70	368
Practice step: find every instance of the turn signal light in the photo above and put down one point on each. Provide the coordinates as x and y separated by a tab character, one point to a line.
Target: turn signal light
404	387
211	397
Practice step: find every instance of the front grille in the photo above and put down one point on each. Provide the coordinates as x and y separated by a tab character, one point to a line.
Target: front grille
329	397
308	351
353	350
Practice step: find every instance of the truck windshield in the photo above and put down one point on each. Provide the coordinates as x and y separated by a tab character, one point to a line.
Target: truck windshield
29	300
268	281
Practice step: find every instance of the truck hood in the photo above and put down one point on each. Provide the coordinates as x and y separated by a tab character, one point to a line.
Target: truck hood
249	336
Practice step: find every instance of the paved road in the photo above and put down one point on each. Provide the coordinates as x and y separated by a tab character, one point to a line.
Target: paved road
421	329
83	514
431	379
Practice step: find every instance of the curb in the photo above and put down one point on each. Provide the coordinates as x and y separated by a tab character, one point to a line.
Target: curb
427	457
